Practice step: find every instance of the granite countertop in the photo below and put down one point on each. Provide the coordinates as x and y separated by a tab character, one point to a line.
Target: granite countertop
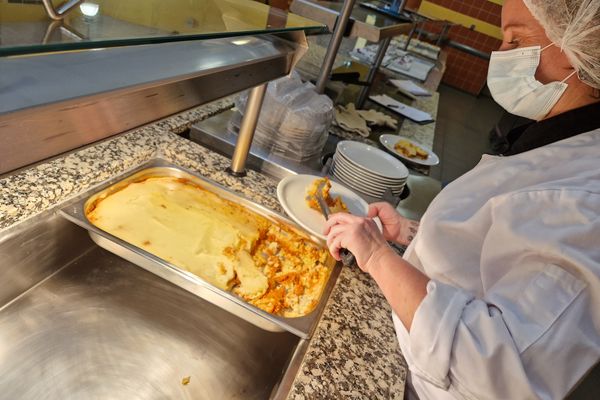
353	353
423	134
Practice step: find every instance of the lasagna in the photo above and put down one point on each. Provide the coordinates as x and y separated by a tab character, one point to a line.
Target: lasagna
268	264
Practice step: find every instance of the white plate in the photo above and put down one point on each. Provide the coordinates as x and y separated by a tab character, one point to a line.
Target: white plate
339	159
388	141
360	185
363	177
374	194
361	190
375	191
291	193
344	180
372	159
363	173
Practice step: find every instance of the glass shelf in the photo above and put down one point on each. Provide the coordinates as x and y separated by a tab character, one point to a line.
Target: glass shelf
366	23
25	28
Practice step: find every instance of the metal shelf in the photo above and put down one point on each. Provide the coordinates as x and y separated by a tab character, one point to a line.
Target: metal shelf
142	60
29	27
53	103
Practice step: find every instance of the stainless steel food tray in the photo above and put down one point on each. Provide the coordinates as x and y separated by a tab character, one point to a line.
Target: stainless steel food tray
75	212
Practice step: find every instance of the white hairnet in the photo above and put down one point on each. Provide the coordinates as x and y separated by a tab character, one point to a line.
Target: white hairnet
574	25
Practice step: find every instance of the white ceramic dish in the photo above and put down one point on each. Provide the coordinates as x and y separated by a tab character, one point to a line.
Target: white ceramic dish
388	141
368	192
291	193
359	171
376	194
365	176
362	185
372	159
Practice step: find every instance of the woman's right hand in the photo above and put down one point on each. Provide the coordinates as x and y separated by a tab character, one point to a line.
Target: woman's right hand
396	228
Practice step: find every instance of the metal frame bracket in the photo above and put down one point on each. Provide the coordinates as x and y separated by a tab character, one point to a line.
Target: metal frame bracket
59	13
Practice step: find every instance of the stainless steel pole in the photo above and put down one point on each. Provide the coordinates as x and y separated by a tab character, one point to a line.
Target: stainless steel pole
364	91
410	35
249	121
334	44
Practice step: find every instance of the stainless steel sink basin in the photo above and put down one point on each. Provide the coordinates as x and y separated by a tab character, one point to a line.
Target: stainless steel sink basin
98	327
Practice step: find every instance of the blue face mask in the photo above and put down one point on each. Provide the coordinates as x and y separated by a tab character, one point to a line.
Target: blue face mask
511	80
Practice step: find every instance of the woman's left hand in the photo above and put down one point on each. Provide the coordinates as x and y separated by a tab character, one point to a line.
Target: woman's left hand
357	234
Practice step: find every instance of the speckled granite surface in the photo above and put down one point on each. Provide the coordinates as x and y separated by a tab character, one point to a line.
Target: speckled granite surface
423	134
353	353
344	134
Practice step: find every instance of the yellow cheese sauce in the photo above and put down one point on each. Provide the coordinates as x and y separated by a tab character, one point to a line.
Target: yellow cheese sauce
267	264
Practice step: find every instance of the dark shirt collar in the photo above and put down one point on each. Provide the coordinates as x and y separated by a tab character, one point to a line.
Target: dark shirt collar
559	127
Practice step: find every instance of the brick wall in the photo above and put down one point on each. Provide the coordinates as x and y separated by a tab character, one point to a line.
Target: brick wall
465	71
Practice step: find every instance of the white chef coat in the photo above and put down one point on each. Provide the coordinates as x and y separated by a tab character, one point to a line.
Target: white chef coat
512	248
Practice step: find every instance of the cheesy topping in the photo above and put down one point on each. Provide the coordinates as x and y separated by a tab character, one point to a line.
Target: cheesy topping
335	204
267	264
253	283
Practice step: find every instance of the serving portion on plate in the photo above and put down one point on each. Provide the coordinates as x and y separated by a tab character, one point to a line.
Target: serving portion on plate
409	150
292	192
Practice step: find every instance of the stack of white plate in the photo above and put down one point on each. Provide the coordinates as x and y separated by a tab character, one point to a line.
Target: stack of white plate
367	169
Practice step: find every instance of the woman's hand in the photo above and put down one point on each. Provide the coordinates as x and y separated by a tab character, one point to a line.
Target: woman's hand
359	235
396	228
403	285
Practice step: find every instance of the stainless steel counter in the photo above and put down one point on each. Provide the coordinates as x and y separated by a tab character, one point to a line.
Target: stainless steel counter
99	327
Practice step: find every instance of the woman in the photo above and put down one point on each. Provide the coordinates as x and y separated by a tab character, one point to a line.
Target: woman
498	295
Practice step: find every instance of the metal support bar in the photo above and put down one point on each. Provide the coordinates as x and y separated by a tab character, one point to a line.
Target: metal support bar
364	91
63	9
443	34
334	44
469	50
249	121
420	30
410	36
